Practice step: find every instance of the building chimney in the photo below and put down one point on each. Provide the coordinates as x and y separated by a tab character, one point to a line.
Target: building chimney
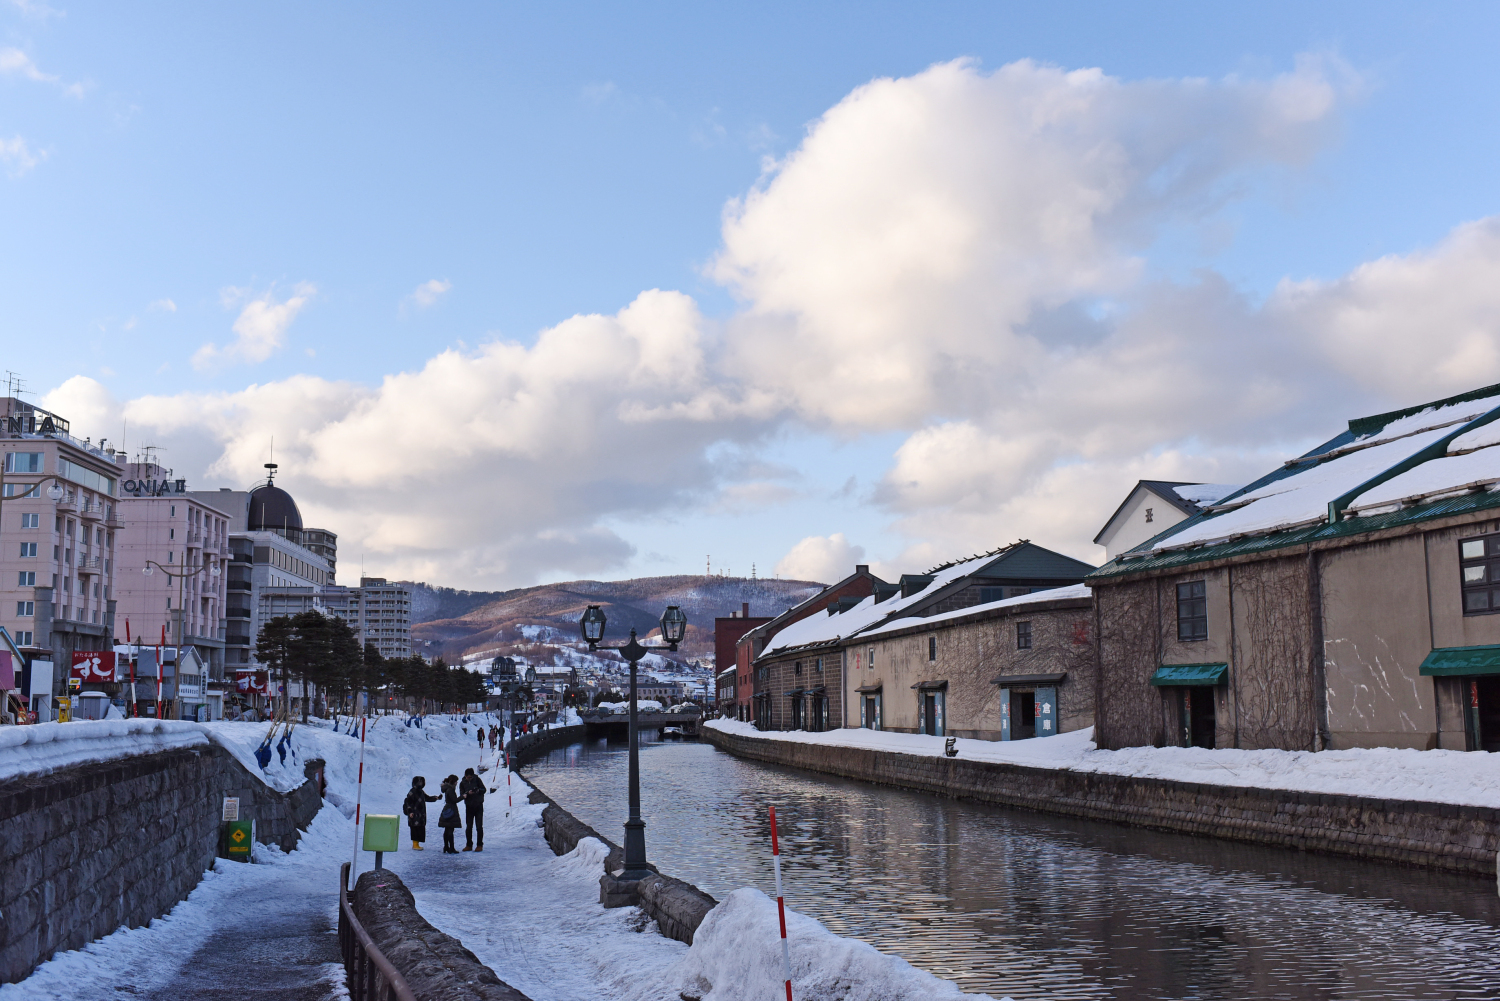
861	568
744	609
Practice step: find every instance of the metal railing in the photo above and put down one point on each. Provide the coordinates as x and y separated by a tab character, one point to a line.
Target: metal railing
371	975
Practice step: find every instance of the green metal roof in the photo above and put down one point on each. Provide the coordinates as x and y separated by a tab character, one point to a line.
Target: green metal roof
1447	661
1189	674
1251	544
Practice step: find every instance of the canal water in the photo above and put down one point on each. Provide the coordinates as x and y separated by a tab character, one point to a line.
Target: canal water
1009	902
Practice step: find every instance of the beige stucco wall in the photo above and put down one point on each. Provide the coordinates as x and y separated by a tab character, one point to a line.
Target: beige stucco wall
1375	636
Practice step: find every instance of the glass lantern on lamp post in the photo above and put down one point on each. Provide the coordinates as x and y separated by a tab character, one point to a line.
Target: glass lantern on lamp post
673	629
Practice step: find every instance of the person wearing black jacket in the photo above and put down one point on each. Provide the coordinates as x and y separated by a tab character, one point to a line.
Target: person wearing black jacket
415	808
448	819
472	790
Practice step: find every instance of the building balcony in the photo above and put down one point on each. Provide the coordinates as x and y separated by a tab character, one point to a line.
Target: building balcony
114	523
90	565
91	512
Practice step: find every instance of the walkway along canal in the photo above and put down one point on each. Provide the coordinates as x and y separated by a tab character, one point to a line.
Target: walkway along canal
1018	903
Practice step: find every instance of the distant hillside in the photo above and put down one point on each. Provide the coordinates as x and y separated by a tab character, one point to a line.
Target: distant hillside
534	622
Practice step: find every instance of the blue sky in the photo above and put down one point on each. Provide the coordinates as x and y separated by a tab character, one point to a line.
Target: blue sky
414	181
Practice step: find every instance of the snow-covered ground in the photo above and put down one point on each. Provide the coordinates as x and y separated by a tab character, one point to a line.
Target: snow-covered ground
532	917
1469	778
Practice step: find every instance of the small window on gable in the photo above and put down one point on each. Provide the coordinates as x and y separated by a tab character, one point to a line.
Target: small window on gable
1192	611
1023	635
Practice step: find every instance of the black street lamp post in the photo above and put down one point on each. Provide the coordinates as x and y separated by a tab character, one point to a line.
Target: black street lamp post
673	628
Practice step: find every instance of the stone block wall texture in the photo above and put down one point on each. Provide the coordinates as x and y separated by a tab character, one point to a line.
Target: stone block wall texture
92	848
1440	836
436	965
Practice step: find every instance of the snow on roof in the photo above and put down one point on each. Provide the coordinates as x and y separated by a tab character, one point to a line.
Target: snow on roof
1450	474
1303	496
1019	601
818	628
1204	493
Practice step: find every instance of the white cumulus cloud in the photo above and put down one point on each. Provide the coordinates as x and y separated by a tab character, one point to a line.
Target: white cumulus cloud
823	558
18	156
960	258
429	292
260	329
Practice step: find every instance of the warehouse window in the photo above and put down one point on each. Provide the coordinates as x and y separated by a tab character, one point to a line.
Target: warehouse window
1023	635
1192	611
932	648
1479	560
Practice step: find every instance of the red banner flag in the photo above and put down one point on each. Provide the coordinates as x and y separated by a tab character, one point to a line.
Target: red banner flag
94	665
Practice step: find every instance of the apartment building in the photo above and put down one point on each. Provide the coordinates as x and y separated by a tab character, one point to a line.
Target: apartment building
173	561
59	517
385	615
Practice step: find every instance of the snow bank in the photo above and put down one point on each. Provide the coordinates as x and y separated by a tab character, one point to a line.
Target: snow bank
45	747
736	954
624	707
1465	778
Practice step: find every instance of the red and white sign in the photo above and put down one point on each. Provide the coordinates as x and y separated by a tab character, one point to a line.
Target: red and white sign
94	665
252	682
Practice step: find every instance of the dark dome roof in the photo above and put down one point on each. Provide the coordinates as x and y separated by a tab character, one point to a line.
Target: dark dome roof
271	510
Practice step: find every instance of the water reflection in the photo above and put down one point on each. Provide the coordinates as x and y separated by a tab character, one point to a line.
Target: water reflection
1015	903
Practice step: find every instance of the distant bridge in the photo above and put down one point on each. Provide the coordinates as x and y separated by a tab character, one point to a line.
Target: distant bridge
686	721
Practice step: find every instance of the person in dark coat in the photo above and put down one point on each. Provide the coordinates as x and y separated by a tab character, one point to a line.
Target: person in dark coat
448	819
415	808
480	734
472	790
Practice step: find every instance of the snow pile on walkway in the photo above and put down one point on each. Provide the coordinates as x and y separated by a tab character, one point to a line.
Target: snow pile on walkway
1465	778
736	954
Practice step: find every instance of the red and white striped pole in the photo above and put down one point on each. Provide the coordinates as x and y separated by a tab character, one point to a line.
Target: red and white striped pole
786	952
508	804
359	793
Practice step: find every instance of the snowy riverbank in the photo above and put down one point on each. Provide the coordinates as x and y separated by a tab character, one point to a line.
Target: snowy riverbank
531	916
1463	778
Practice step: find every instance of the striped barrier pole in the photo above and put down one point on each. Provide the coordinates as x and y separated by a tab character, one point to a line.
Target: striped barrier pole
786	952
359	793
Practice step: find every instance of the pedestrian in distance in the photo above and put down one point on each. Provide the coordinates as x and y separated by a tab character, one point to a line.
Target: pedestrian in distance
448	819
472	791
415	808
480	734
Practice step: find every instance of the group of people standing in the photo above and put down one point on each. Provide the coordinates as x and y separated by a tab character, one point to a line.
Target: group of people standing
469	790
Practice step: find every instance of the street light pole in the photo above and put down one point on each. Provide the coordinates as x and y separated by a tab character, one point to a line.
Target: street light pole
182	577
673	628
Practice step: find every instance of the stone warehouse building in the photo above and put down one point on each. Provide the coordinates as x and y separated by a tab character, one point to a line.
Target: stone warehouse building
1350	598
752	688
1005	670
825	671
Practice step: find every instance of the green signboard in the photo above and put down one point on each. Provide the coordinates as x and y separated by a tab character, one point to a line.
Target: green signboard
382	832
237	838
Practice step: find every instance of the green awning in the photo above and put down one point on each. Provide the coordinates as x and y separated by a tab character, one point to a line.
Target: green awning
1446	661
1189	674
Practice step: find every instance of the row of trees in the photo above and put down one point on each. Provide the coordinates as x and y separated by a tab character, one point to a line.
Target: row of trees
324	651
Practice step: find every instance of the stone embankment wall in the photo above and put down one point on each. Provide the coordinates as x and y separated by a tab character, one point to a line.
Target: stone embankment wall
678	907
528	746
1439	836
435	965
91	848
